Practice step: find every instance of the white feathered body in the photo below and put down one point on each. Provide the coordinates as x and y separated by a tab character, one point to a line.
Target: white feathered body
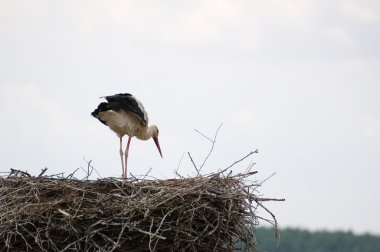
125	123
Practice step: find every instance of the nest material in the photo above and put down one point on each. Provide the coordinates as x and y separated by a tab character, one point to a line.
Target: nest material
204	213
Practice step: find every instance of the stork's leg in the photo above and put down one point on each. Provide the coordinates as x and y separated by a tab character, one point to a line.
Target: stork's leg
122	156
126	155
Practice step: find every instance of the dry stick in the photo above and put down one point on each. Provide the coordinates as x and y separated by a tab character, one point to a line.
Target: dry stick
88	172
273	217
179	164
270	199
69	245
42	172
133	176
22	173
268	178
262	182
249	167
60	175
212	145
192	161
146	174
234	163
79	206
159	226
150	234
93	169
205	135
119	237
72	174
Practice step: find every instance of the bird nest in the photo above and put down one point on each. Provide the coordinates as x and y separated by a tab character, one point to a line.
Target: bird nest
204	213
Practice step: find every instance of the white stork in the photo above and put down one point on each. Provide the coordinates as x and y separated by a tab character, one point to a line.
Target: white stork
125	115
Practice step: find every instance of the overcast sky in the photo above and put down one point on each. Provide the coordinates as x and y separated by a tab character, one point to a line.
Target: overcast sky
299	80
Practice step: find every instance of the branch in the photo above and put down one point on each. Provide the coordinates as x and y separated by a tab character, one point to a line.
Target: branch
274	219
179	164
42	172
16	172
70	176
192	161
234	163
212	146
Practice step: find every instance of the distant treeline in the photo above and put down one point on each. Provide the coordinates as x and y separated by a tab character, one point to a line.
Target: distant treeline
298	240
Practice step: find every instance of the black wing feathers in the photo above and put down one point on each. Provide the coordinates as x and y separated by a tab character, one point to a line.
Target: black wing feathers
126	102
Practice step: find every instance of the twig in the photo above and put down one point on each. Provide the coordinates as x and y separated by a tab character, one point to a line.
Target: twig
72	174
42	172
262	182
192	161
179	164
234	163
269	199
146	174
273	217
249	167
89	169
17	172
213	141
268	178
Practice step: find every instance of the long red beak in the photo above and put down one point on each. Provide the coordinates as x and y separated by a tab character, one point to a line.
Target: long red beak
157	144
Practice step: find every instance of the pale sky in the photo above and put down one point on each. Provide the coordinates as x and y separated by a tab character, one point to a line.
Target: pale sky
299	80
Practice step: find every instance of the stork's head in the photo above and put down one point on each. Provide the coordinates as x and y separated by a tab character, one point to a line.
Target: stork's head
155	132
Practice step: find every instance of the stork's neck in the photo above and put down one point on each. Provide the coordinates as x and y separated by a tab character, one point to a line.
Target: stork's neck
146	133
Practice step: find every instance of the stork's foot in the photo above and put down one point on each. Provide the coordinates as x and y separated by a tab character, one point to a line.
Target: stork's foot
124	176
